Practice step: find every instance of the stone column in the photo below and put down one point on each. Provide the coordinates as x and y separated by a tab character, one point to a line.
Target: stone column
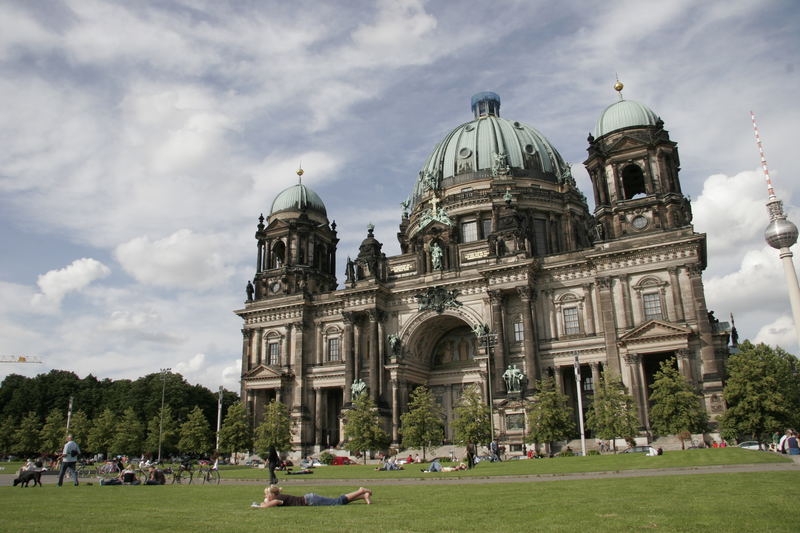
607	316
633	361
260	260
626	300
381	356
395	412
559	379
374	383
318	412
247	334
347	354
595	375
589	309
357	359
320	348
298	367
530	343
259	338
550	307
711	374
499	350
685	364
677	301
286	349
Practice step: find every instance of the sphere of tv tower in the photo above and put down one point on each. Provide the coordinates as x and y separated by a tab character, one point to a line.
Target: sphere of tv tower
781	233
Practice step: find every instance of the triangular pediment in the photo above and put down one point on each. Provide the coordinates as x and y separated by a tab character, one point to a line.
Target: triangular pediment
263	372
626	143
655	329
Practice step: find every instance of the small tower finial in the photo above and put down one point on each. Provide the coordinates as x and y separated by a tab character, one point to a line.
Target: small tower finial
300	173
618	86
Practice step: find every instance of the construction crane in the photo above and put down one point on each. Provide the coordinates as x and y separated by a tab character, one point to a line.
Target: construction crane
19	359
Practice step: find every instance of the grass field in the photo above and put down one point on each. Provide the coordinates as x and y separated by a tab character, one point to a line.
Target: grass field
732	502
556	465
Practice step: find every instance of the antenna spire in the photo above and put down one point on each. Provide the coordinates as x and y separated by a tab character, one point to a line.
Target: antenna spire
770	190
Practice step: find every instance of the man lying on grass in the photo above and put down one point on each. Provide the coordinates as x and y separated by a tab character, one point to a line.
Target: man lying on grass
274	498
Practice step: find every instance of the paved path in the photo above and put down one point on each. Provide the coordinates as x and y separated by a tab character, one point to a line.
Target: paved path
7	479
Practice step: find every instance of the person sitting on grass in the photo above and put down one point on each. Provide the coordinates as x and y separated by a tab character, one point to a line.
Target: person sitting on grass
461	466
155	477
274	498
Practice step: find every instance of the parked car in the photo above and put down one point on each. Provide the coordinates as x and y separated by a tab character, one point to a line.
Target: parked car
638	449
750	445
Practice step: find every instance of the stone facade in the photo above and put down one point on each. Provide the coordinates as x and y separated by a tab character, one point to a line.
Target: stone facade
512	247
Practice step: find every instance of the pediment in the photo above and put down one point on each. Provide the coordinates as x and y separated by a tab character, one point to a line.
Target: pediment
626	143
263	372
653	330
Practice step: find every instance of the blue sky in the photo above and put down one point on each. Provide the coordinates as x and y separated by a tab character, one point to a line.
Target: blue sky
140	141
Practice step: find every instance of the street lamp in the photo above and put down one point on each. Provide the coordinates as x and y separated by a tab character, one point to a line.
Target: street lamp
219	415
577	366
488	339
164	372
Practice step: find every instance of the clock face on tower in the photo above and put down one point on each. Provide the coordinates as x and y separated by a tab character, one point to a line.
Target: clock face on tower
275	287
639	222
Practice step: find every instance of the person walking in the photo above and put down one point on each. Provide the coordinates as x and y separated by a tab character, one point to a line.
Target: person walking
470	455
273	461
69	458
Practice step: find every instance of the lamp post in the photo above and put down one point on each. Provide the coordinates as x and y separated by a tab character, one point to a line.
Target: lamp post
577	367
488	339
164	372
219	416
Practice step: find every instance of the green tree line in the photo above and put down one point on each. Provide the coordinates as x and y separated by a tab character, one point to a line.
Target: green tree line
108	416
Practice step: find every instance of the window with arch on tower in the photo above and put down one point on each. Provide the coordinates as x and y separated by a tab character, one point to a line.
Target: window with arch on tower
633	181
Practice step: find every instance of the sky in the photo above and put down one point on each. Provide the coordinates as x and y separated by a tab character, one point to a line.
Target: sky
140	141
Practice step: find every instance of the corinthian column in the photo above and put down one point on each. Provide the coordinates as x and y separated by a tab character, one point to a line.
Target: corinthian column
347	353
496	301
529	342
374	383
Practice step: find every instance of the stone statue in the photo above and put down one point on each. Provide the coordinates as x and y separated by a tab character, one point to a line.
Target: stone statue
357	388
394	344
350	275
250	291
436	256
513	377
599	232
405	205
480	330
499	163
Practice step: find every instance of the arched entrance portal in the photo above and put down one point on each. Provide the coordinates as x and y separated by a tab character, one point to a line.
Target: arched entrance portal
444	351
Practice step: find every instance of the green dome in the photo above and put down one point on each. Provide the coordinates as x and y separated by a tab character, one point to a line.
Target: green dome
297	198
470	149
624	114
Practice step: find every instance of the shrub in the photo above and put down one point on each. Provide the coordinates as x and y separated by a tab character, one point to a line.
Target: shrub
326	458
593	452
565	453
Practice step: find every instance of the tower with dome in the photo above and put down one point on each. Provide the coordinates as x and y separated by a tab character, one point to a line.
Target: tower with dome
495	237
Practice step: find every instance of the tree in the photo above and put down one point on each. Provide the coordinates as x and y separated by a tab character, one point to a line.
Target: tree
168	431
79	428
101	436
53	432
128	437
677	409
471	424
8	427
235	434
27	440
362	429
549	417
274	430
761	392
422	425
612	413
195	433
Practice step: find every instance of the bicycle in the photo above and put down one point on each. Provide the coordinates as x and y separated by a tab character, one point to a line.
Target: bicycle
86	469
182	473
209	474
108	470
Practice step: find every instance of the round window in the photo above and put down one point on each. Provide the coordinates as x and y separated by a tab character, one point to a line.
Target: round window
469	127
465	152
639	222
529	148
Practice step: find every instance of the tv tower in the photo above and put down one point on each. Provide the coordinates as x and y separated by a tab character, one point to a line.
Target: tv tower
781	234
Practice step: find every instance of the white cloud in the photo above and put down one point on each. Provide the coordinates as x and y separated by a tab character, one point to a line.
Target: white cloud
758	282
56	284
780	332
182	260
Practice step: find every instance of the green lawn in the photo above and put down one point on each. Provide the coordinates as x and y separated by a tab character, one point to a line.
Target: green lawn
556	465
706	502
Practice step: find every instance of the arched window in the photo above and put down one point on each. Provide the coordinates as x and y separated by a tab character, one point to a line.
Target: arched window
278	257
633	181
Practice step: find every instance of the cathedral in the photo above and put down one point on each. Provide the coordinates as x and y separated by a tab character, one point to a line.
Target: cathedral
504	277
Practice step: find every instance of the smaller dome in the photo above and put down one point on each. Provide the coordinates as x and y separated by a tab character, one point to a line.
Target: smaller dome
624	114
298	198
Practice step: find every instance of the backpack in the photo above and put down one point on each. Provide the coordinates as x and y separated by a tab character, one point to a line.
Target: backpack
73	452
791	442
